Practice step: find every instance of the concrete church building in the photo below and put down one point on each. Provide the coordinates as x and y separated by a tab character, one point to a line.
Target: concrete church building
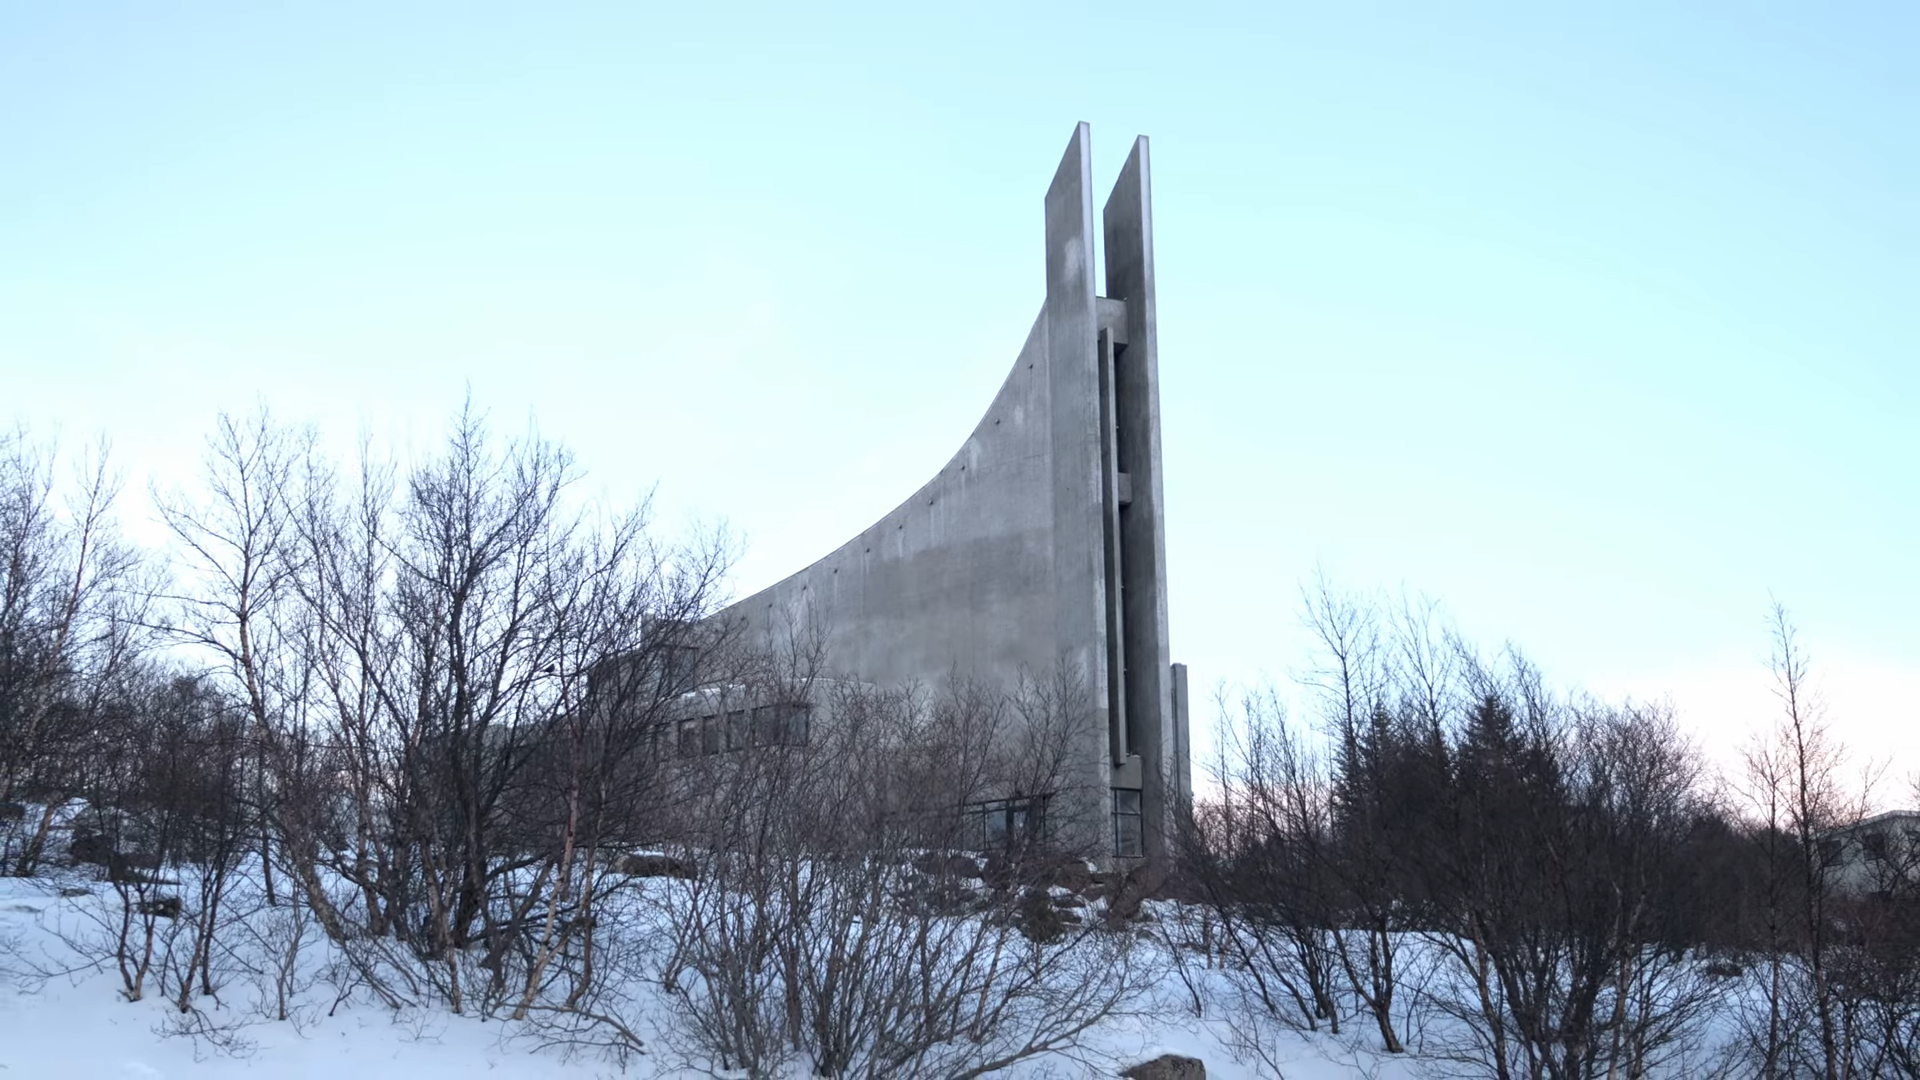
1042	542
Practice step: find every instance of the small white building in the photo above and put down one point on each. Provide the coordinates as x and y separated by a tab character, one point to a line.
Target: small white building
1874	855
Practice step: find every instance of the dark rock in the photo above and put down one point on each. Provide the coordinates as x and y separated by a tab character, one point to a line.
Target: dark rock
1037	870
132	867
75	890
1073	875
1167	1067
1038	919
88	847
1181	887
1062	871
1125	895
924	896
165	907
92	848
963	867
998	870
654	866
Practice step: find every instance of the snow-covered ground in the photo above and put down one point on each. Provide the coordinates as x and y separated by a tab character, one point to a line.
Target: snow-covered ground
79	1024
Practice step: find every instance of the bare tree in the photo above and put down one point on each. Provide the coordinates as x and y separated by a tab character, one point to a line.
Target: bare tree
455	669
1796	785
72	603
235	545
837	908
1263	865
1353	679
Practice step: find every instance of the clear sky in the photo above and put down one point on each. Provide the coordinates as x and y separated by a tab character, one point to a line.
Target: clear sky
1600	327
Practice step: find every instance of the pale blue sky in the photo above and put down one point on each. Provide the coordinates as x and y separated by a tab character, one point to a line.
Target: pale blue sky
1597	326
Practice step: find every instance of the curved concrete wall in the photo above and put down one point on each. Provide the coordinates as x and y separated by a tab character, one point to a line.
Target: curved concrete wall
960	575
1041	542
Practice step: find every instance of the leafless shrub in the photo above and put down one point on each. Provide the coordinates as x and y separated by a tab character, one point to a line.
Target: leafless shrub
1499	878
834	913
1261	860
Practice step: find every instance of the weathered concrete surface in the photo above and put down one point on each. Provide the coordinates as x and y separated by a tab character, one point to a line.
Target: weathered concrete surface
910	597
1151	717
1041	543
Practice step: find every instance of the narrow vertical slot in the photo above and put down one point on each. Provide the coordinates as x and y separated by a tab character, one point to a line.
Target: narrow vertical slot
1110	531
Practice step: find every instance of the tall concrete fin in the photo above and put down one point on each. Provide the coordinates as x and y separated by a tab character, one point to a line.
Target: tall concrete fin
1151	718
1073	385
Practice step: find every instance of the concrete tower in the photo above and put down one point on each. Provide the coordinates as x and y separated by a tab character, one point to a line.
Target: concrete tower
1041	544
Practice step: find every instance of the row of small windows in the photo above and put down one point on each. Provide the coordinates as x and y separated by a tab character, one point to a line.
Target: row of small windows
1013	824
784	724
1006	824
1873	845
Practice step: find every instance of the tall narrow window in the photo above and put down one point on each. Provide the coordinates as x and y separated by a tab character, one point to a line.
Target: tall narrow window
1128	841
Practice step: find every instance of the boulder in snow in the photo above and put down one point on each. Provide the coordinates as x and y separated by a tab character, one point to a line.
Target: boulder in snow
654	865
1167	1067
